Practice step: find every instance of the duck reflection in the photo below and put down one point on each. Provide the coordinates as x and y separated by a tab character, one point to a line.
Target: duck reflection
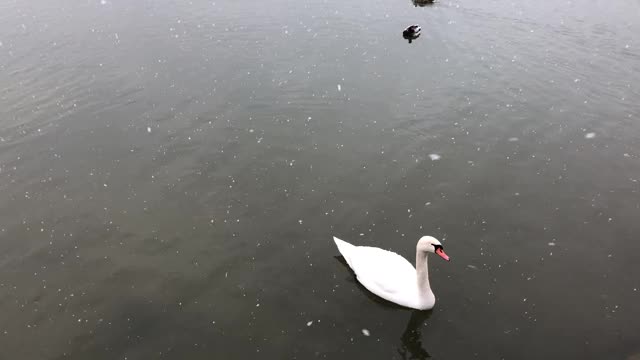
422	3
411	347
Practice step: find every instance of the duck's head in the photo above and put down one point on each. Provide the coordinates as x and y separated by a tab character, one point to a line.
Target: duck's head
432	245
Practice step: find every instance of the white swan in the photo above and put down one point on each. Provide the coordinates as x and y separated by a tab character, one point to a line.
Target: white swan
391	276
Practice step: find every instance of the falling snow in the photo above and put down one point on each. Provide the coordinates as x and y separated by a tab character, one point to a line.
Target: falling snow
211	96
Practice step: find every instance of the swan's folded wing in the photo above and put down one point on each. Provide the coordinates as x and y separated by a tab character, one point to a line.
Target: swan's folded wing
383	272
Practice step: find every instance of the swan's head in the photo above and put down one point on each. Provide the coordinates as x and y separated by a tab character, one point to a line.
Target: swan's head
432	245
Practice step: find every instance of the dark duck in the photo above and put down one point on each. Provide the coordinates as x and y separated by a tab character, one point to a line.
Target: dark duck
423	3
412	32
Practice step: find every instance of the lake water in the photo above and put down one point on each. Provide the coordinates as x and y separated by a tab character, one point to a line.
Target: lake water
172	174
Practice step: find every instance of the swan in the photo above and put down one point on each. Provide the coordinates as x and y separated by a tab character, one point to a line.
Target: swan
392	277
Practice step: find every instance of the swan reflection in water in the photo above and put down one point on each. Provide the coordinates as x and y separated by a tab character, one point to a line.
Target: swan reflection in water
411	339
411	347
422	3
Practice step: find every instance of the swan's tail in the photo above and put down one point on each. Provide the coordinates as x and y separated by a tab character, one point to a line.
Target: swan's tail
345	249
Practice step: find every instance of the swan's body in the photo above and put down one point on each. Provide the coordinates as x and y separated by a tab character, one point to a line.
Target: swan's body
391	276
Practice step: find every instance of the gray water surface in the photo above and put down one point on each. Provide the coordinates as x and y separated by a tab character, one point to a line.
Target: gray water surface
172	173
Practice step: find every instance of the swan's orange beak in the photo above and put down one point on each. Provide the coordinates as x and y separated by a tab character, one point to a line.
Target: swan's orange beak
441	253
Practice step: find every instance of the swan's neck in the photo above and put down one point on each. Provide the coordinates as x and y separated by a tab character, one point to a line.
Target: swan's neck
422	270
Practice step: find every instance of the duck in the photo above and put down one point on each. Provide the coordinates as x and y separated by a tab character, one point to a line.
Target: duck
412	31
423	3
390	276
